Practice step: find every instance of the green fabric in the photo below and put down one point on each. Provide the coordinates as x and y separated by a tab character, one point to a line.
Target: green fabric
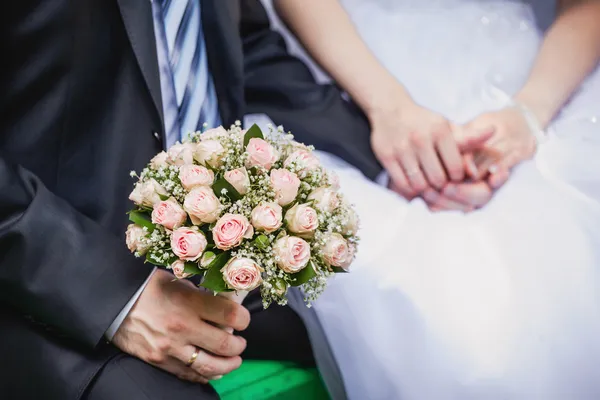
270	380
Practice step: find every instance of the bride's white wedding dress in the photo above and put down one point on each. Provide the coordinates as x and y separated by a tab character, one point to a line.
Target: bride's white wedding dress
502	303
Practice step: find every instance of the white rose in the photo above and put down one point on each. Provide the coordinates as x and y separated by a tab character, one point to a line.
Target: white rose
239	179
147	193
209	152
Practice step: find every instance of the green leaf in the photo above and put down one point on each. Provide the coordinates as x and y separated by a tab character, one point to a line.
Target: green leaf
213	279
262	242
230	192
142	219
163	197
192	268
253	132
300	278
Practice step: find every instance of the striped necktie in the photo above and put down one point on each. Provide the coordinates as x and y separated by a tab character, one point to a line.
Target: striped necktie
194	91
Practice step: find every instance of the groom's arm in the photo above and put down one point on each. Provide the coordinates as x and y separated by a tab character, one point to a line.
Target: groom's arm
283	87
57	266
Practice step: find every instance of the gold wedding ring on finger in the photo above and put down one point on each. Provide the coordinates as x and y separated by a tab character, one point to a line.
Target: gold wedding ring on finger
193	357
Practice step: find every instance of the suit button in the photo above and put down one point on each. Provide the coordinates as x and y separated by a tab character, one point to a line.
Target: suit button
156	135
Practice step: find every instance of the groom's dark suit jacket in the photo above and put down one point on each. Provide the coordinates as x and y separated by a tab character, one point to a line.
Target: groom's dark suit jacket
80	107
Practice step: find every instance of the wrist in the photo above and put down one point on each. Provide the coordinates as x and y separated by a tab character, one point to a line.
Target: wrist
542	110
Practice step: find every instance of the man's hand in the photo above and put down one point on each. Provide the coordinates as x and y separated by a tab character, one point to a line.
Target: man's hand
172	319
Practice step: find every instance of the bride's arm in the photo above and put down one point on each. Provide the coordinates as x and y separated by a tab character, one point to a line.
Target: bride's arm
570	51
329	36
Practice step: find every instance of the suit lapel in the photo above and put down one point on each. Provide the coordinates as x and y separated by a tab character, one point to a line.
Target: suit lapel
220	21
137	17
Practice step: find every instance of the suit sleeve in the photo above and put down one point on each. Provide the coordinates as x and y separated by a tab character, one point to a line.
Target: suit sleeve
57	267
282	86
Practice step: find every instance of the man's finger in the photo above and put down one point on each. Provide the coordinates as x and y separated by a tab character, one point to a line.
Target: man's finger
216	340
180	370
208	365
221	311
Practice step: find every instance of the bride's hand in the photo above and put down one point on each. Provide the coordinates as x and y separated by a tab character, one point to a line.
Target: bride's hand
513	142
416	147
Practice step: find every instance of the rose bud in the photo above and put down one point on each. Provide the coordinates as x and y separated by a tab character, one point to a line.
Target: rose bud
195	175
169	214
325	199
209	152
230	230
261	154
238	178
181	154
303	161
302	220
147	193
336	251
160	160
267	217
135	239
178	268
286	185
207	258
291	253
242	274
213	134
188	243
202	205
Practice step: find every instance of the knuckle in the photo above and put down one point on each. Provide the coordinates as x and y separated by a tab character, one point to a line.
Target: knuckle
207	370
419	186
418	141
156	357
237	317
225	345
176	325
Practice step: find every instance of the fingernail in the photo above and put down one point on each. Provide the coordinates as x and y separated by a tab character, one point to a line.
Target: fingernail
450	190
216	378
472	167
493	169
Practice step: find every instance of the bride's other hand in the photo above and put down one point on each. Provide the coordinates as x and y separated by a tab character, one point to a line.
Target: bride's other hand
513	142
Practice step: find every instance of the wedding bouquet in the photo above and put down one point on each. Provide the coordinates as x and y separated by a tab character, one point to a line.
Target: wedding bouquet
243	211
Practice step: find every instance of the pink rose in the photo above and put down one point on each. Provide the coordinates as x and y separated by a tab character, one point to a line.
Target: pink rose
210	152
160	160
195	175
291	253
261	154
242	274
135	239
147	193
267	217
169	214
285	184
181	154
213	134
302	160
336	251
302	220
350	222
238	178
230	230
202	205
325	199
188	243
178	268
